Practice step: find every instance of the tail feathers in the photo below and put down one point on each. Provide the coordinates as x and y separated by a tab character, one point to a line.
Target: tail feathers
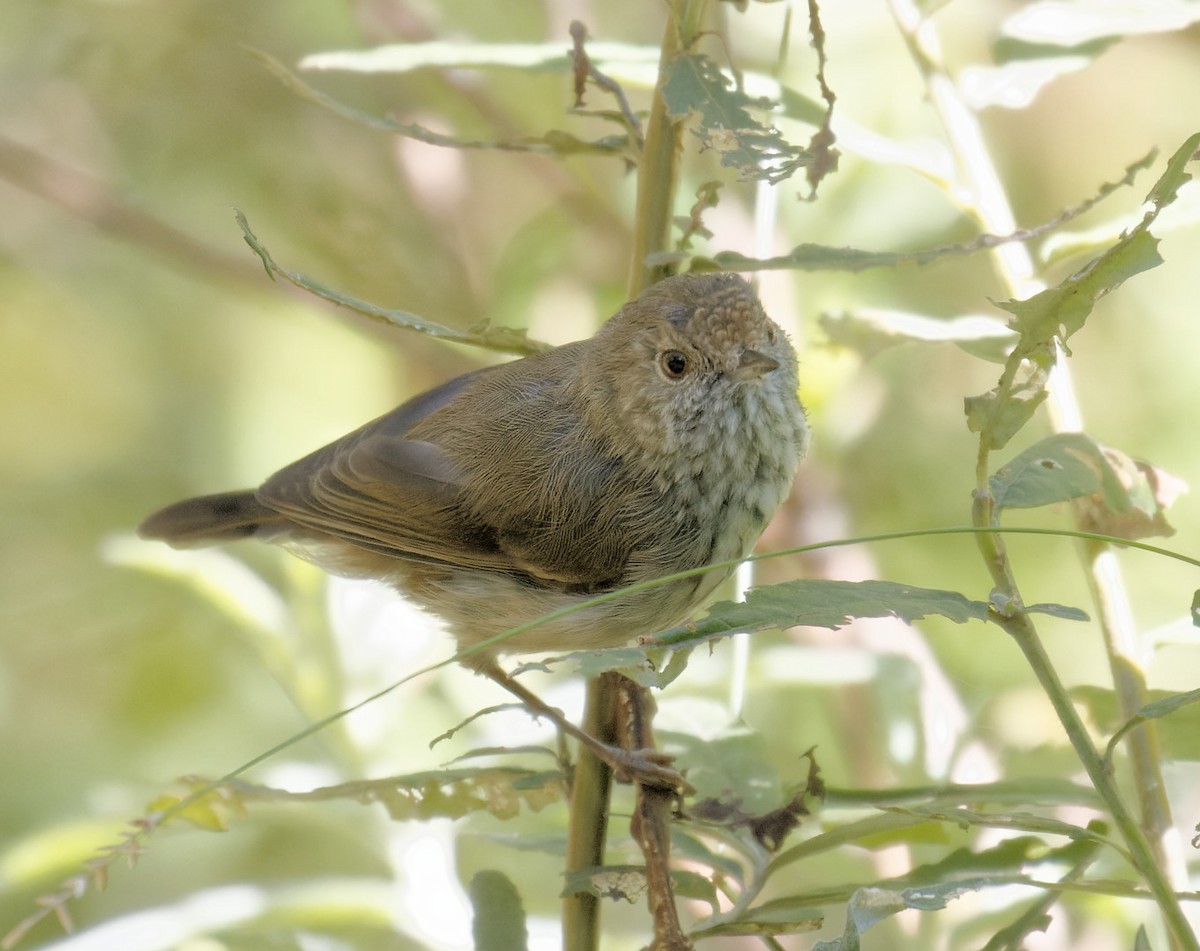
209	520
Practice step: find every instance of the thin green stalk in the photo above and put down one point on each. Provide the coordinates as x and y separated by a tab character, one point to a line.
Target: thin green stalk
1149	842
591	786
656	187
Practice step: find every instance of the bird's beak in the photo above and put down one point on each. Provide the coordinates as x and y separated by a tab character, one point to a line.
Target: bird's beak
754	365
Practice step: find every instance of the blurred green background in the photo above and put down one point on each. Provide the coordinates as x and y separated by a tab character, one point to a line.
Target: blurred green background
145	355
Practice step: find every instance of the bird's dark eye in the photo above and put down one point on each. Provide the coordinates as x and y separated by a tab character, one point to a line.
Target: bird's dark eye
674	364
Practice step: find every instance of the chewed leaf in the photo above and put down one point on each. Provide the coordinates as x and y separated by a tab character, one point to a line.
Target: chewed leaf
1134	501
871	905
693	84
1002	419
1059	312
825	603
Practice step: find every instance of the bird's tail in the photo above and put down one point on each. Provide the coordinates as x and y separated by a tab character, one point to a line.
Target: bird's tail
210	520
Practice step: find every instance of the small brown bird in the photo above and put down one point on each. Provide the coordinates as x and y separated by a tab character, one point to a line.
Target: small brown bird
664	442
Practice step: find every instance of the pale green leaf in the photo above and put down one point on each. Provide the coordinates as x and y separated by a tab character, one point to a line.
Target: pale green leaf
1002	419
1061	311
1056	469
1179	731
1058	312
499	920
444	54
780	917
825	603
552	143
870	330
1059	23
502	339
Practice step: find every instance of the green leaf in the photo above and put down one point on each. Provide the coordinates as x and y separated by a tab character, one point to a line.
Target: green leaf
1179	733
780	917
499	921
552	143
1115	495
1059	312
871	905
1056	24
450	793
501	339
824	603
871	330
732	764
1002	419
1063	611
1056	469
693	84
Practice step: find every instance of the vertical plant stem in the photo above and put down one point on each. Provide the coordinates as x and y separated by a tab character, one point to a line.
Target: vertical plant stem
591	787
1155	842
657	172
656	187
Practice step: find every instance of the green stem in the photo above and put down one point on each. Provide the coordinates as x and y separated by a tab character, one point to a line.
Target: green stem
1022	630
656	187
1148	843
591	787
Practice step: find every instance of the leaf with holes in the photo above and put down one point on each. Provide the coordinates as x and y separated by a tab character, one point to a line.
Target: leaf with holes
694	85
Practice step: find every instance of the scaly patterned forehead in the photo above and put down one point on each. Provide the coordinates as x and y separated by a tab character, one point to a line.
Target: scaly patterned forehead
719	312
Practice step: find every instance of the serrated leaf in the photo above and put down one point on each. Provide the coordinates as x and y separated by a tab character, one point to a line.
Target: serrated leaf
1011	821
1059	312
732	764
693	84
499	920
870	330
827	603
